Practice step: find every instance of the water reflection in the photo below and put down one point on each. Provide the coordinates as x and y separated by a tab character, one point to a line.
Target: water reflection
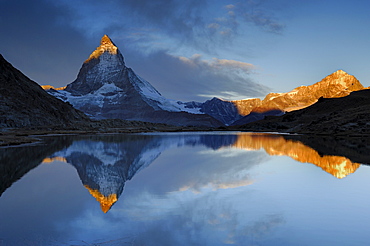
189	189
105	163
15	162
338	166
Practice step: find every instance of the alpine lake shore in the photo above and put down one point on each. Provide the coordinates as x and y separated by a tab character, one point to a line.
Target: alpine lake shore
349	143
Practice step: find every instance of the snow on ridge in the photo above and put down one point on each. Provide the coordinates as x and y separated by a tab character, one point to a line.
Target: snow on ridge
152	152
107	154
149	92
108	93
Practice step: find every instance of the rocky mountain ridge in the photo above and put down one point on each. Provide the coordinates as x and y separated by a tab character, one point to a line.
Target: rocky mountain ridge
345	116
105	88
337	84
23	103
239	112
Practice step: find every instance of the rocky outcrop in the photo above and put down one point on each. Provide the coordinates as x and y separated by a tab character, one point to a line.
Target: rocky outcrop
104	66
224	111
246	106
254	116
23	103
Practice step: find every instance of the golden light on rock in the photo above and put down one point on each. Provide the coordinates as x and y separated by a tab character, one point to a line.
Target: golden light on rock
338	166
106	45
52	159
106	202
48	87
337	84
246	106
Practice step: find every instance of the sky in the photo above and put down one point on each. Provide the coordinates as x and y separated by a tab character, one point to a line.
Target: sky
194	49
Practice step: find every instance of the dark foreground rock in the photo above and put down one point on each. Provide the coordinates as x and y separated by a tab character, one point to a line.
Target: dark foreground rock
24	103
357	149
348	116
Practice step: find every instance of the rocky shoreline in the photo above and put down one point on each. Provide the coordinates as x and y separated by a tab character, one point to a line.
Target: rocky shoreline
20	136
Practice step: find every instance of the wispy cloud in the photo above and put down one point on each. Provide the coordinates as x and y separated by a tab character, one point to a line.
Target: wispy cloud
174	22
217	64
263	13
263	20
197	78
147	32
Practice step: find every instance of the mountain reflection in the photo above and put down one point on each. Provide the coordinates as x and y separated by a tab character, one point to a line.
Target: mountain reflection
338	166
15	162
105	163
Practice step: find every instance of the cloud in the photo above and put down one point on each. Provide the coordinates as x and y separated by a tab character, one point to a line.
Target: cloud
217	64
197	24
230	6
50	40
262	13
205	170
265	21
196	78
204	219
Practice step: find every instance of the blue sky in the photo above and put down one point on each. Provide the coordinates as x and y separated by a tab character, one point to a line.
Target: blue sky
196	49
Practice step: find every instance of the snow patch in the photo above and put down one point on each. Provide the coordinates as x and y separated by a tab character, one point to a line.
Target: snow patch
153	96
108	93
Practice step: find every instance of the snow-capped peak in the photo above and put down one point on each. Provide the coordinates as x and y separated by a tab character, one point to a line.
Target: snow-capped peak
106	45
340	72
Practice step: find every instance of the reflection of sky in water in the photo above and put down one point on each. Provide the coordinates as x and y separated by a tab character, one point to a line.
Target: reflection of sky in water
193	196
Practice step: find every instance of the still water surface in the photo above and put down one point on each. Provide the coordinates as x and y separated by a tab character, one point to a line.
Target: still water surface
181	189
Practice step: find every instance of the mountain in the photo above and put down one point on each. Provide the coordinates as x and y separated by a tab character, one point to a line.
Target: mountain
239	112
222	110
347	115
106	88
337	84
254	116
24	103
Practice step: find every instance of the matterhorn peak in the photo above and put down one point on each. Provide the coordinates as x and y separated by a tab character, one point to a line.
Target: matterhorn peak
105	40
106	89
340	72
106	45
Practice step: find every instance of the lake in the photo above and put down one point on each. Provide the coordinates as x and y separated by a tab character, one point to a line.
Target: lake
213	188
